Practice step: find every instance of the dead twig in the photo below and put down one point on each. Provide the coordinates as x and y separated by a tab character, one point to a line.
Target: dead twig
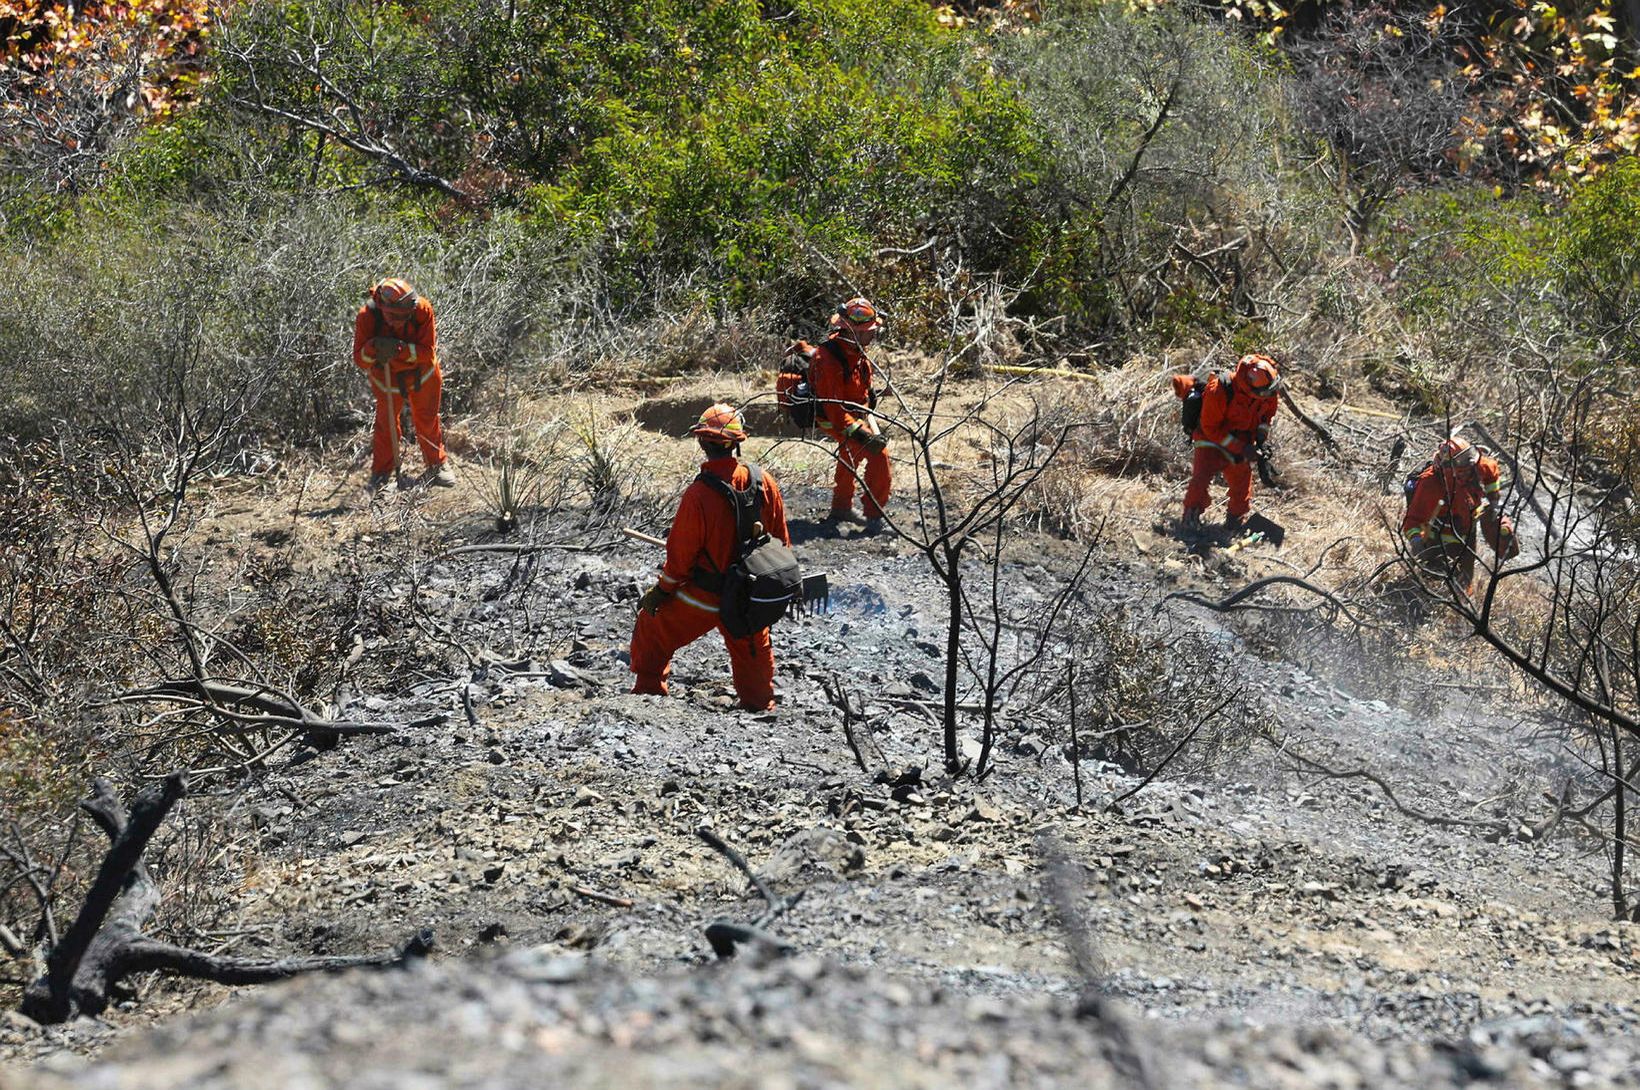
1174	752
725	935
602	898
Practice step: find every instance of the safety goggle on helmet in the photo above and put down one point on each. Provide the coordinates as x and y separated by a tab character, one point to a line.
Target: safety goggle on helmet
1260	374
721	424
395	295
859	313
1456	453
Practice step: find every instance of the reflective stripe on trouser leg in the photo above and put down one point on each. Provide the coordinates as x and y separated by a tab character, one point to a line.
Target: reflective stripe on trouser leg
656	638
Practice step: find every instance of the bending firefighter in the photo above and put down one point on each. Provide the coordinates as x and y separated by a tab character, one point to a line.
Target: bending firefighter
1228	425
396	342
1458	488
682	606
840	376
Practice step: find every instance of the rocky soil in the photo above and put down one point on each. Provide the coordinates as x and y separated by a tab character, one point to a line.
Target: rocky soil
1251	925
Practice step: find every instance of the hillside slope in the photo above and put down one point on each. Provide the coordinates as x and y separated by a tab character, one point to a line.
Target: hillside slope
1254	926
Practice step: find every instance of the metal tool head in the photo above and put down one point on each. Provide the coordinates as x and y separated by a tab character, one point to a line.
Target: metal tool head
816	595
1273	532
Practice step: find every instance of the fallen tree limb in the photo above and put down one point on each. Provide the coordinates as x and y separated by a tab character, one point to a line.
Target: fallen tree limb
1316	768
870	756
1305	419
144	955
1226	605
724	935
271	708
106	942
527	547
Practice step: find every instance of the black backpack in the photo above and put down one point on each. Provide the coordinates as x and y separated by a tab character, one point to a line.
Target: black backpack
794	393
1410	485
763	579
1190	409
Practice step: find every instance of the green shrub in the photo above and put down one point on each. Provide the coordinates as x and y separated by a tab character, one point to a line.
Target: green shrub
1596	251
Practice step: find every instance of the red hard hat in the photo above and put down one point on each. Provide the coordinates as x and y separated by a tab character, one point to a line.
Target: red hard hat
859	313
1455	452
1259	374
721	424
395	293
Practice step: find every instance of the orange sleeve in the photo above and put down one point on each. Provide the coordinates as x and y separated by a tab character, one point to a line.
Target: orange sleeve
364	330
684	542
424	349
1182	386
774	512
1424	504
826	378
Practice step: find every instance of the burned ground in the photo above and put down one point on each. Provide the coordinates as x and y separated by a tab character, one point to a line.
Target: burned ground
1255	925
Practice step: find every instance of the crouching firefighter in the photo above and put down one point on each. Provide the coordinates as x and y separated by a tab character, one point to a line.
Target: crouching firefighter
1228	420
395	340
1457	488
729	566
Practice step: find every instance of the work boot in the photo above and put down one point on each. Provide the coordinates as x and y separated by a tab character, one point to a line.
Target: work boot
839	515
1191	521
873	527
1235	523
377	482
442	475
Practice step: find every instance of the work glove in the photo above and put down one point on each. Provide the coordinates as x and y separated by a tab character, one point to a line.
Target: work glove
874	443
653	599
386	348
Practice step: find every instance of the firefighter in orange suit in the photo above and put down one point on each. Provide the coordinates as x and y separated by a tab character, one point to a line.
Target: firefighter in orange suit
1235	422
396	343
1460	487
840	375
680	608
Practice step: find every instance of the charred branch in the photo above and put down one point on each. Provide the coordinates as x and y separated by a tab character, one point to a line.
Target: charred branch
725	935
106	943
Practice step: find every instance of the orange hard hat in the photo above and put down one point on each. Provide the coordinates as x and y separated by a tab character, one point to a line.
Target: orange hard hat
395	294
1455	452
859	313
721	424
1259	374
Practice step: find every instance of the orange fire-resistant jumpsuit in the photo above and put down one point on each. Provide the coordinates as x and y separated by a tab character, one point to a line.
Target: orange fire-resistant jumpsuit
840	375
1443	509
702	544
1233	422
415	367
